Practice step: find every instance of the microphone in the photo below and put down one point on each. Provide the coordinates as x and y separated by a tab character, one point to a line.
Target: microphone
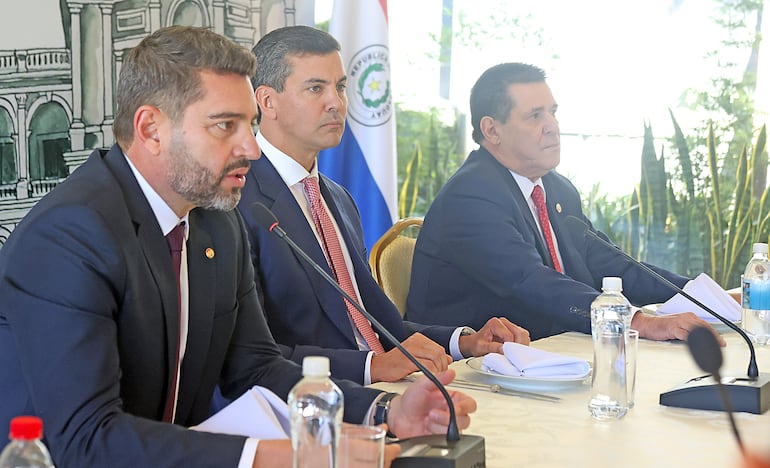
708	355
451	451
750	394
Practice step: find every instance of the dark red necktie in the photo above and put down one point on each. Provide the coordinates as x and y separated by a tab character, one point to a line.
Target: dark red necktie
545	224
175	240
336	260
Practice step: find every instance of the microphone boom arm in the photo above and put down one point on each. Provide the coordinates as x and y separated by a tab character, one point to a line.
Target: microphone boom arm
453	432
753	371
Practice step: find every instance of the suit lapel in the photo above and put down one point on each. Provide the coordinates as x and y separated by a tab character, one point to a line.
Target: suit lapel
293	221
201	267
155	249
529	220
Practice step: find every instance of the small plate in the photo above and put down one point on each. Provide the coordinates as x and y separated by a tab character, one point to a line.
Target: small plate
524	383
720	327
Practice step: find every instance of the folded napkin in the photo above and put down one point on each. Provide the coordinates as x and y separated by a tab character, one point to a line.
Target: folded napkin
524	361
708	292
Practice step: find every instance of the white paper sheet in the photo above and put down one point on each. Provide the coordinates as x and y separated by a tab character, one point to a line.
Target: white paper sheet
708	292
258	413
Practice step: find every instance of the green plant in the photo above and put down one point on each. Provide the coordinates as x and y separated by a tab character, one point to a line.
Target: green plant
430	150
691	230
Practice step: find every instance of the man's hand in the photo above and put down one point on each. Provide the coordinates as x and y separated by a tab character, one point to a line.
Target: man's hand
394	365
670	327
736	294
273	453
422	409
491	337
354	452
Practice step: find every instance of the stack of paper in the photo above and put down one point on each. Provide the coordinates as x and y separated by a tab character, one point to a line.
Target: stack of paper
710	294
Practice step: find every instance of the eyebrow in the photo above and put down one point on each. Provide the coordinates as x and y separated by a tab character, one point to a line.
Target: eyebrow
227	115
344	79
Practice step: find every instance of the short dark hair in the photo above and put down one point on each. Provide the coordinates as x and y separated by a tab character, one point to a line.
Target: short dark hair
275	47
163	70
489	96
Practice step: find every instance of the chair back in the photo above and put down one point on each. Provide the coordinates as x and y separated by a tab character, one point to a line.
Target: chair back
391	260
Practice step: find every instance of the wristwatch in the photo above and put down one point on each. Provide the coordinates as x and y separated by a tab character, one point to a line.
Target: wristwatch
467	331
381	410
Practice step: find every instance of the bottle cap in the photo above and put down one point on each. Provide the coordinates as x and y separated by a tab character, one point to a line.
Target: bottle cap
315	366
612	283
26	428
759	247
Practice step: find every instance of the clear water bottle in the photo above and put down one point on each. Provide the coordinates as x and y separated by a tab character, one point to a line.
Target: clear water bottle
26	450
315	406
755	318
610	318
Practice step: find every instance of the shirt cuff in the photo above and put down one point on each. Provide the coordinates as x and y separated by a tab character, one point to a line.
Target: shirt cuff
248	453
368	369
454	342
369	417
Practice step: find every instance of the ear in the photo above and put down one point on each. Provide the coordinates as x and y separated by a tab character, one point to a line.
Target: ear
265	96
488	127
147	121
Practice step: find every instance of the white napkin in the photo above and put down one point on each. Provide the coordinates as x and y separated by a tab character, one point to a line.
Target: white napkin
520	360
707	291
257	413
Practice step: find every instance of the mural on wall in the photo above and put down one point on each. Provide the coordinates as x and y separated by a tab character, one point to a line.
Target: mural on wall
59	63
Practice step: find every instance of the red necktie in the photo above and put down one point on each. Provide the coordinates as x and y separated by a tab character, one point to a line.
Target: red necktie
333	253
545	224
175	240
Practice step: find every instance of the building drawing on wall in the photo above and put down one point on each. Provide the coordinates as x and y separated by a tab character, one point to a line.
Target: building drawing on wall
59	63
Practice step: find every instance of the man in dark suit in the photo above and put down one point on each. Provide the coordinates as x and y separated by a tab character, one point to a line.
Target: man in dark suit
95	336
481	249
300	90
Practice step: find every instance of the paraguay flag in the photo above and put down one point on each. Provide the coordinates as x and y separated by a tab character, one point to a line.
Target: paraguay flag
365	160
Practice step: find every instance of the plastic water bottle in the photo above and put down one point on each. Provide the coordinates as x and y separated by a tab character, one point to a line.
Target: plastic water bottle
316	406
26	450
610	318
755	318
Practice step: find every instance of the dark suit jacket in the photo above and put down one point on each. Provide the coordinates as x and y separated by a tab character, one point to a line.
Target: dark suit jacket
479	254
306	315
88	326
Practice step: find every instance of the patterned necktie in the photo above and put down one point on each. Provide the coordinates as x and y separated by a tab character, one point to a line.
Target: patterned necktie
545	224
333	253
175	240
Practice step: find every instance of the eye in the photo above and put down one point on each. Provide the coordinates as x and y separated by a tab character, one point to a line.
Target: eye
225	126
314	89
341	87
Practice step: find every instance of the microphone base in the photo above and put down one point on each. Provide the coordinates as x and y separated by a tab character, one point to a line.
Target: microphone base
435	451
748	396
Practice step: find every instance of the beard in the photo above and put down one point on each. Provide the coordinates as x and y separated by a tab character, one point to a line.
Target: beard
199	185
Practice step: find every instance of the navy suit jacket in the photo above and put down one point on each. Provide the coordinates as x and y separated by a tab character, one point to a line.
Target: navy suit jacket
480	254
88	326
306	315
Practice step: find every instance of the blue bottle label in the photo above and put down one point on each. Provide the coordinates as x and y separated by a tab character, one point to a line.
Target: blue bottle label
756	294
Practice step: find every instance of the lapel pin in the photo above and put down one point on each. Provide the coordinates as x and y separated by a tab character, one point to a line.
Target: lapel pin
558	207
209	253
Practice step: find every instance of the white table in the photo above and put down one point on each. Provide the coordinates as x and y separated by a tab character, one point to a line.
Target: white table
525	432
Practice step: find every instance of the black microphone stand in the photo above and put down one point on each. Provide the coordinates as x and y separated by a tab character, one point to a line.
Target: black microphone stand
749	394
450	451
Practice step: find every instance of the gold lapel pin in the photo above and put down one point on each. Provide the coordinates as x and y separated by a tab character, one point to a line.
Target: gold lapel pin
558	207
209	253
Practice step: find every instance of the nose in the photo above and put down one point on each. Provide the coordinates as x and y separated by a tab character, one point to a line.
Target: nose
337	101
248	146
551	125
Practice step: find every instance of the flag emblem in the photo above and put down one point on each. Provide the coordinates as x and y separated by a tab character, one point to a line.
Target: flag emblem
370	103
